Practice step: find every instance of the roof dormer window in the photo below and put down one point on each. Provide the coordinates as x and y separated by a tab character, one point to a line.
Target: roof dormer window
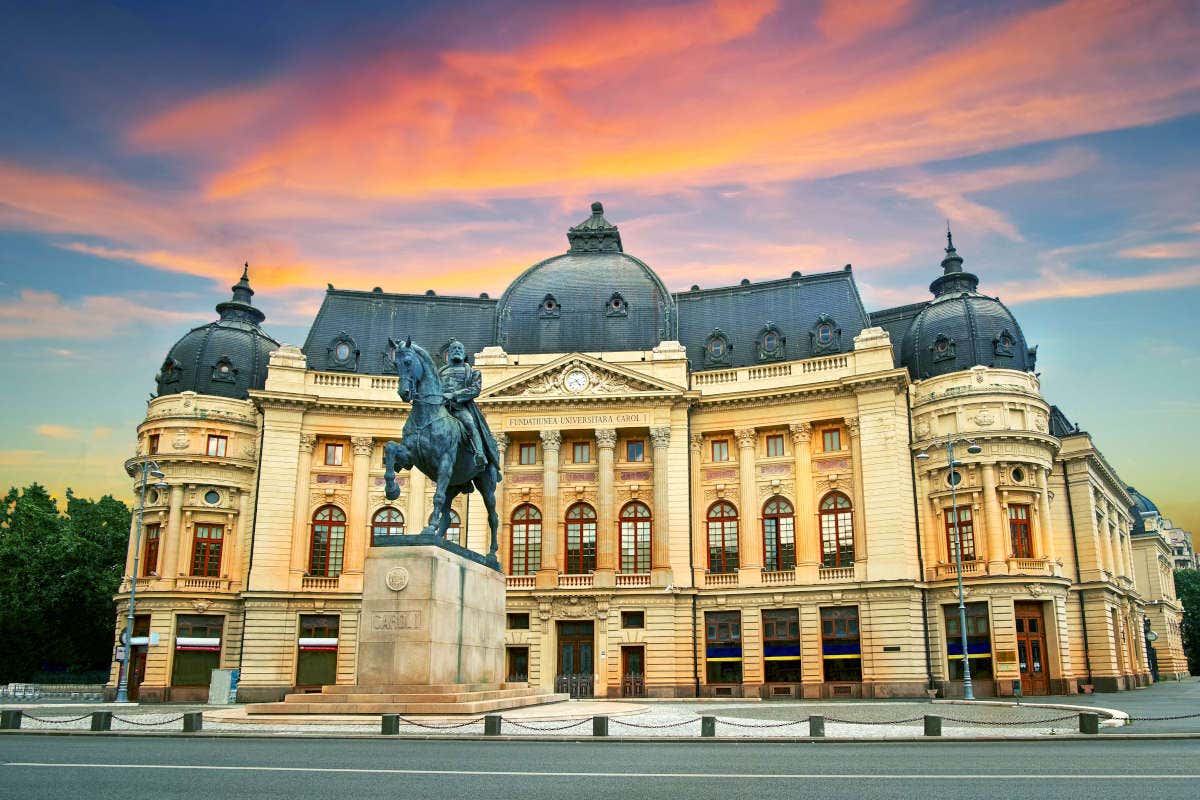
549	309
1002	345
616	306
770	343
343	352
825	336
170	371
717	348
224	370
943	348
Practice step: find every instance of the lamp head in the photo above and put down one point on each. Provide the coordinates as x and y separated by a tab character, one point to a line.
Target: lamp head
162	485
974	449
922	456
157	475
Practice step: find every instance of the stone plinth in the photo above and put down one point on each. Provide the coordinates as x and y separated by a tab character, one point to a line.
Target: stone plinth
430	616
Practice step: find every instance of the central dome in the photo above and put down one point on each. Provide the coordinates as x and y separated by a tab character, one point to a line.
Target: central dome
592	298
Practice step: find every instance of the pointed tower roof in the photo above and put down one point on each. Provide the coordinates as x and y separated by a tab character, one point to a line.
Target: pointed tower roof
241	306
595	234
953	278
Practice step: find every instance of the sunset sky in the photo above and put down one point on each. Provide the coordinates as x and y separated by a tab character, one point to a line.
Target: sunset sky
148	149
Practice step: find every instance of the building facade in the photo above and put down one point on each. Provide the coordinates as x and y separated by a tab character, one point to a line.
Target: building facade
737	491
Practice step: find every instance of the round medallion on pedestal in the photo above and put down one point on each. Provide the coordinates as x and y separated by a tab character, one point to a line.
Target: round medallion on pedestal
396	579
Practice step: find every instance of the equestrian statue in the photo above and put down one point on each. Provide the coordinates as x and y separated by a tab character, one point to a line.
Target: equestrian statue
445	435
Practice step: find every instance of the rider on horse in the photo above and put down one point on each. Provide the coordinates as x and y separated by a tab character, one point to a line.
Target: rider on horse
461	384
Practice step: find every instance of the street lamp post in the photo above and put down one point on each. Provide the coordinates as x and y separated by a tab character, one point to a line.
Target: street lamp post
149	469
973	449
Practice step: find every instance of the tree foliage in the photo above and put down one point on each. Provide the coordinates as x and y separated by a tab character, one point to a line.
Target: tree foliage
58	574
1187	588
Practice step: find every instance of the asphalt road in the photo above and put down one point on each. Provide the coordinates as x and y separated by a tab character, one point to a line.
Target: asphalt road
38	766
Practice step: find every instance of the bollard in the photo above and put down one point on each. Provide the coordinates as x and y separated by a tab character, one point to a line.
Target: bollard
102	720
389	724
933	725
193	721
491	725
10	719
599	726
708	726
816	726
1089	723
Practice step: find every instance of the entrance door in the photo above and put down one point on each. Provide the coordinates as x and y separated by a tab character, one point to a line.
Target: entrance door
633	671
575	662
1031	648
137	672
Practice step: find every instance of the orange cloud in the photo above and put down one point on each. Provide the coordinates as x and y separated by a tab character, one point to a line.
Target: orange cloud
52	431
848	21
1056	283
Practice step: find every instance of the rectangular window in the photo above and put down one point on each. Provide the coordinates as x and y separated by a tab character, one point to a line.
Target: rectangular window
831	440
316	659
582	452
720	450
152	443
841	651
633	619
528	453
775	445
206	551
518	664
979	641
333	455
518	622
1018	528
216	445
197	649
723	646
966	531
635	450
781	645
150	557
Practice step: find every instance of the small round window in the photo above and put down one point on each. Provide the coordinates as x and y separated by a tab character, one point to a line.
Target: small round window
955	478
825	333
771	341
1018	475
342	351
549	305
224	368
942	344
152	497
212	497
616	303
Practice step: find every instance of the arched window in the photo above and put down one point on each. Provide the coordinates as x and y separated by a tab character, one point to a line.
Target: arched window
635	538
779	535
526	550
722	537
328	542
837	531
581	539
387	522
454	528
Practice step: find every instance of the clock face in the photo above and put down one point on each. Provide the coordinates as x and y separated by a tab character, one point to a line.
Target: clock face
576	381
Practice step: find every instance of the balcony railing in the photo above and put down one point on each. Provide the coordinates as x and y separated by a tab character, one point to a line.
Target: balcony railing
835	573
1035	566
206	584
318	582
968	568
627	579
779	576
584	581
720	579
520	581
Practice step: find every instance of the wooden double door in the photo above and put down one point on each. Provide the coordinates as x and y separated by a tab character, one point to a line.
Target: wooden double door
576	659
1031	648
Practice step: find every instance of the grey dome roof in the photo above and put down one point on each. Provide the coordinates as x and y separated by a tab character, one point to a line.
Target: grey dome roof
592	298
1142	507
962	328
227	357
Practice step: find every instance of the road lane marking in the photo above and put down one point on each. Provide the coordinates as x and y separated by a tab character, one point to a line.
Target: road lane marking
690	775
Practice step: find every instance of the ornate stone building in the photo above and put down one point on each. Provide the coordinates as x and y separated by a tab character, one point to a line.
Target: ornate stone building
733	491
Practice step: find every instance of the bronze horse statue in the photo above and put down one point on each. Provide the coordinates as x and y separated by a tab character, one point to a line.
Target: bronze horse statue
436	443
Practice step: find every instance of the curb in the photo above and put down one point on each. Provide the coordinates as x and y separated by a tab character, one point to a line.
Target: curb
1116	717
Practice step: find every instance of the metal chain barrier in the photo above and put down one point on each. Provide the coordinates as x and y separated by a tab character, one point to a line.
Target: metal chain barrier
514	723
1163	719
875	722
654	727
1012	723
127	721
763	724
57	720
446	727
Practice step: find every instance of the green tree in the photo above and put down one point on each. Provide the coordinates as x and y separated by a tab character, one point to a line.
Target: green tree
1187	588
58	574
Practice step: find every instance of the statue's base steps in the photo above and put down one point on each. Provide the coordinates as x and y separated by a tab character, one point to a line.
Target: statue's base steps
451	698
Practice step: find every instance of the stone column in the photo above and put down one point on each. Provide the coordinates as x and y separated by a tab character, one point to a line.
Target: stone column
1106	543
660	529
357	523
606	497
996	548
168	561
807	539
750	544
547	576
861	551
1045	521
502	532
698	534
300	518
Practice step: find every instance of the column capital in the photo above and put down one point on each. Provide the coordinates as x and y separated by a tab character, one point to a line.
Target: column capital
362	445
606	438
696	440
551	440
801	432
502	441
747	437
660	437
852	426
308	442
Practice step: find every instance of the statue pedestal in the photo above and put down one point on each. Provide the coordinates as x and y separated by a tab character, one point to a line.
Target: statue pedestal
430	640
429	616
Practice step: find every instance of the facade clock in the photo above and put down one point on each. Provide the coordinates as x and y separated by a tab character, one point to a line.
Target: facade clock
576	381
